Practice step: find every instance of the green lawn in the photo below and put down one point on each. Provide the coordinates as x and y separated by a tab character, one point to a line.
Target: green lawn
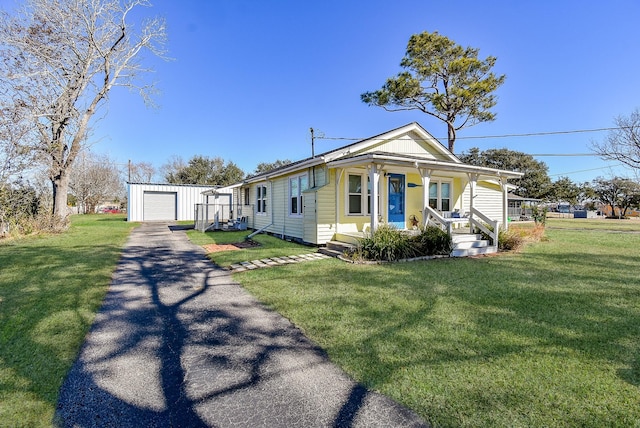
50	290
546	337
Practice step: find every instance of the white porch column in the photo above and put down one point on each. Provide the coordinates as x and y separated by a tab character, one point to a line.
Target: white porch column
426	180
374	179
505	204
473	181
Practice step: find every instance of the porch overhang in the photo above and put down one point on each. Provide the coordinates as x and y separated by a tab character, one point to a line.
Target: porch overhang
389	159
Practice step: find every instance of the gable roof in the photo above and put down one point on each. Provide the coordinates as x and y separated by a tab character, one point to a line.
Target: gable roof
431	154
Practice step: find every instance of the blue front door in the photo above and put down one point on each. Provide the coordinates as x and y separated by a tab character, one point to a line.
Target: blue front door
396	200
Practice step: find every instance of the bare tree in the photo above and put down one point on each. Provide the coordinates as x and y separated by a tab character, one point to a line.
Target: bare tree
623	143
141	172
15	158
94	179
58	62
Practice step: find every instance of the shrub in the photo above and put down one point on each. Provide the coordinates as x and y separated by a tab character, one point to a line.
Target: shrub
515	238
390	244
432	241
510	240
386	243
539	215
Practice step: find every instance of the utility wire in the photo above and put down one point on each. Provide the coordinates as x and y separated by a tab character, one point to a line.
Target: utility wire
478	137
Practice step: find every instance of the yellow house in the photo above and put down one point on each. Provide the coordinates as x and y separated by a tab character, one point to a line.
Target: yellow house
403	177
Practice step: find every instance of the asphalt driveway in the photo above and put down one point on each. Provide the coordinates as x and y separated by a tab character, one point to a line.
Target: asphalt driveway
178	344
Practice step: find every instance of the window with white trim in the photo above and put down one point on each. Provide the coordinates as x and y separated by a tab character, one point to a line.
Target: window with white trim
261	199
440	195
246	196
356	203
297	185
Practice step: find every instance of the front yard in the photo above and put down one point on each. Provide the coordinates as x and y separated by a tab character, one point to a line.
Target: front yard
546	337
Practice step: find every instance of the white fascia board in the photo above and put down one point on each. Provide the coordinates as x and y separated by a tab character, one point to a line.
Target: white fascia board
419	163
319	160
388	136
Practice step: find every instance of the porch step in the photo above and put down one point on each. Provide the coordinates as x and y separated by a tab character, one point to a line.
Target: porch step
470	245
336	248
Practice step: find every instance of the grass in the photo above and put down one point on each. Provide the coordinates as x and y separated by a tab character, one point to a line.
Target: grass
632	224
50	290
270	246
549	336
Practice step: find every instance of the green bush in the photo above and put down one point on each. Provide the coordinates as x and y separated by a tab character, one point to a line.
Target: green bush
432	241
390	244
386	243
539	215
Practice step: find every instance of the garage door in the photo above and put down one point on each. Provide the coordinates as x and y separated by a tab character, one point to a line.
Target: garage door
159	206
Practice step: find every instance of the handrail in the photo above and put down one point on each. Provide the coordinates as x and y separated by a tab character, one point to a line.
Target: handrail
476	219
433	217
482	225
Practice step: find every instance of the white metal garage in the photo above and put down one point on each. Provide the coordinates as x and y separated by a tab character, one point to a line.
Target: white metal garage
163	202
159	206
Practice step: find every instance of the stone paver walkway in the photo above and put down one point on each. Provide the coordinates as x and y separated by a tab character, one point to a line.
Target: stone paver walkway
276	261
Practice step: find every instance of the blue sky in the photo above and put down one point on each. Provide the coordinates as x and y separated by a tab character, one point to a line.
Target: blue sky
249	78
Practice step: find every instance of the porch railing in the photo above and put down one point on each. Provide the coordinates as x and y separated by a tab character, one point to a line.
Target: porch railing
491	231
477	221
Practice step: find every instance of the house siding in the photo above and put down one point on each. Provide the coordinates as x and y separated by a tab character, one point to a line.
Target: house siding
326	211
488	199
407	144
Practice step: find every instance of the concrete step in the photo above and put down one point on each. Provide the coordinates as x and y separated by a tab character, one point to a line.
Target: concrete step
466	252
336	248
466	237
470	244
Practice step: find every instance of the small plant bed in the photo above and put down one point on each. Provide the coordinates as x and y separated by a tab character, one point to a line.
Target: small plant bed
214	248
263	246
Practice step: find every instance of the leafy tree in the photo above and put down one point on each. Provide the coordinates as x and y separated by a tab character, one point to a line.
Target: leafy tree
622	193
623	143
269	166
58	62
203	170
443	80
535	181
563	190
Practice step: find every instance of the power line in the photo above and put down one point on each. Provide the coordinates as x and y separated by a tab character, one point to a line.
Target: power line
587	170
478	137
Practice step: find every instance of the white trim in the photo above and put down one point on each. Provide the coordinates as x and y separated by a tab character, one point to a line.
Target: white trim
260	197
438	182
299	203
364	194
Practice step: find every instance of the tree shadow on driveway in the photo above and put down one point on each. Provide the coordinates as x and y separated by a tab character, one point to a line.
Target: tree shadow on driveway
178	343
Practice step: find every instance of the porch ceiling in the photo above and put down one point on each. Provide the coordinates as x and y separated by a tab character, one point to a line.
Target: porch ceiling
414	162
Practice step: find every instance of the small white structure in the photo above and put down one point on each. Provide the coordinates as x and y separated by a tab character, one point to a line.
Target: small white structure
164	202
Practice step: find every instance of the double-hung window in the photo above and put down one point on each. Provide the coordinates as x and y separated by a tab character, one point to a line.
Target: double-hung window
261	199
440	195
357	203
297	185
